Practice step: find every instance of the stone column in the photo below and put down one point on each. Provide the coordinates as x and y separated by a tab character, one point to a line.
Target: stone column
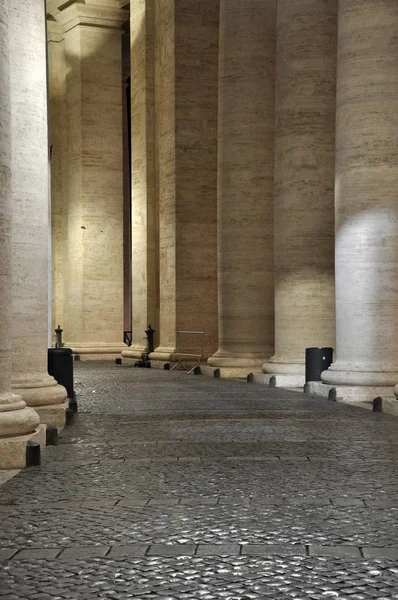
366	201
57	135
304	184
93	307
30	221
144	203
186	104
245	185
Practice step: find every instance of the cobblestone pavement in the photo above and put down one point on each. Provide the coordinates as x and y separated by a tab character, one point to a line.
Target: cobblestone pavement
175	486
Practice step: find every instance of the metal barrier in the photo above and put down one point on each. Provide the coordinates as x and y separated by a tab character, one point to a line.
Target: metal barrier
190	345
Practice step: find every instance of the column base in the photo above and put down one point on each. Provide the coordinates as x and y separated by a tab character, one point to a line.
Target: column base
13	449
54	415
133	353
364	375
39	390
96	351
280	366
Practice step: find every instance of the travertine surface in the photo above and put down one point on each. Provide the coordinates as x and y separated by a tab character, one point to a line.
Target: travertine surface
366	195
304	181
186	103
245	183
16	420
30	218
93	312
144	202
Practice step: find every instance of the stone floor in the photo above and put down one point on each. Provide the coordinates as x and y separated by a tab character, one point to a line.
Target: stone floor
175	486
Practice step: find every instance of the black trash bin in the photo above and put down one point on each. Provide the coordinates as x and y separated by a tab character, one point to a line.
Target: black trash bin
60	366
317	360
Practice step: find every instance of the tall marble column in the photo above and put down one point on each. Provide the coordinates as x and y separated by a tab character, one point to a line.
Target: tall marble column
93	207
18	423
304	184
186	105
144	203
366	200
30	218
245	185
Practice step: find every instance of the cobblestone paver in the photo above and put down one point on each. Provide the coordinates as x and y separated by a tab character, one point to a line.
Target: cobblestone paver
175	486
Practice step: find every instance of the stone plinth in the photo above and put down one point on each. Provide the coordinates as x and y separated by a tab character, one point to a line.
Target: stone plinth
366	198
30	206
245	185
304	181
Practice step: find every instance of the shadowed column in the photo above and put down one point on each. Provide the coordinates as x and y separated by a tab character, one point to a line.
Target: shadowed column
144	203
245	185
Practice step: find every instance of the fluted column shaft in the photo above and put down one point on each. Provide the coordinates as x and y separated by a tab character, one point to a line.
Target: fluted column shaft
30	225
245	183
304	181
366	196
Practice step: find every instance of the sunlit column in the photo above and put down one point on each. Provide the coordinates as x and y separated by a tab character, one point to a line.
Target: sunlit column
304	184
366	199
93	208
245	185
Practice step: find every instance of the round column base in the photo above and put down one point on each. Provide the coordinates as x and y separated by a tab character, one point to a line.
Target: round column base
346	374
284	366
96	351
39	390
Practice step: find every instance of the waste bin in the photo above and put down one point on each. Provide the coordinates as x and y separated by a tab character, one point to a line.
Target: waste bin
60	366
316	361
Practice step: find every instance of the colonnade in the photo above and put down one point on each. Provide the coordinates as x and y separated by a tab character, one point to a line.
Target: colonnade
303	206
263	170
29	398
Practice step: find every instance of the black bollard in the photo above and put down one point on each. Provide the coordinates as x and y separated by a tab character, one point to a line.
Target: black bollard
51	435
217	373
332	395
32	454
197	370
60	366
378	404
69	417
250	378
118	361
316	361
